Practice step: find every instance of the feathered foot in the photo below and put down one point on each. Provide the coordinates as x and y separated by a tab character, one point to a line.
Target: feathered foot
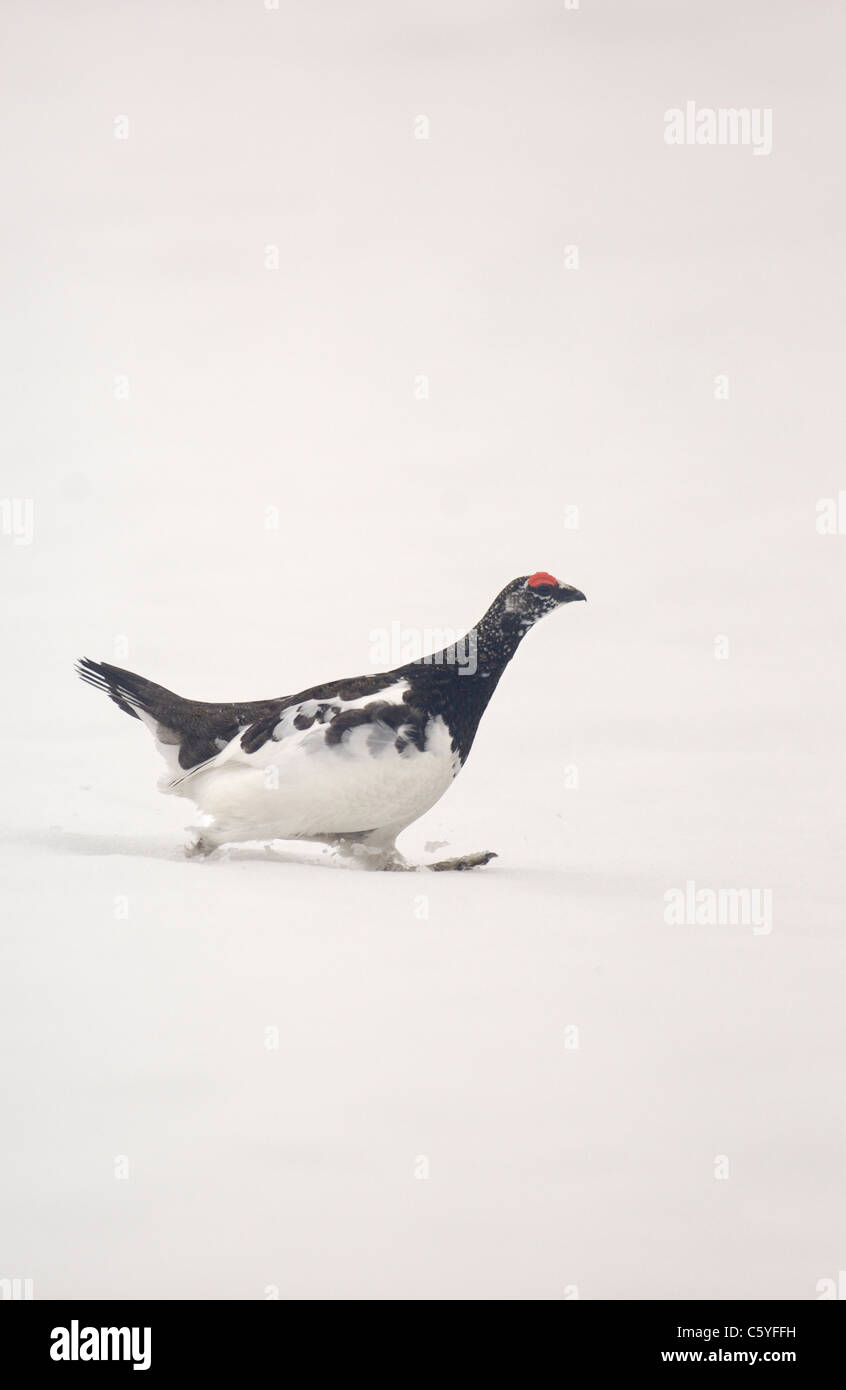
200	848
462	862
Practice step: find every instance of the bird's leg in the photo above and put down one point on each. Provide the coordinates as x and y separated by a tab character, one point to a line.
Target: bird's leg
371	851
383	857
198	848
379	852
203	844
462	862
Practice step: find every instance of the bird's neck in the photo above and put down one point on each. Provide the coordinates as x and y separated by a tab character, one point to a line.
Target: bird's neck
460	679
486	649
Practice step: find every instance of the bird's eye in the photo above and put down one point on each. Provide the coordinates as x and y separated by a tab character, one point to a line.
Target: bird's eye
542	590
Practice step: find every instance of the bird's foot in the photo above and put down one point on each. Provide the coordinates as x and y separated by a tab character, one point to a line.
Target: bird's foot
200	848
462	862
386	861
389	860
370	856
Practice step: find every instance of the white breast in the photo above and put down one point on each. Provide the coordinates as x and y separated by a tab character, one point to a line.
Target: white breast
299	786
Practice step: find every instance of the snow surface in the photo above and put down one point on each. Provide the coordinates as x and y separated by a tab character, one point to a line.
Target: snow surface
426	1022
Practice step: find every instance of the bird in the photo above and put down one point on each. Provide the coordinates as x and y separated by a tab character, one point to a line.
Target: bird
350	763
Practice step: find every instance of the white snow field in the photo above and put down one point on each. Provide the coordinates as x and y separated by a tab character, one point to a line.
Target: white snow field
258	1076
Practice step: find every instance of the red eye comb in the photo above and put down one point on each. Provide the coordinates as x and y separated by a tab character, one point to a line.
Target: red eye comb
542	578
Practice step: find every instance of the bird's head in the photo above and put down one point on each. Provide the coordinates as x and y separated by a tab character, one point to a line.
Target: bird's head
532	596
519	606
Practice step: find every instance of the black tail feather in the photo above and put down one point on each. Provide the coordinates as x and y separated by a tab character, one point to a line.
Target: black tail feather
199	728
130	693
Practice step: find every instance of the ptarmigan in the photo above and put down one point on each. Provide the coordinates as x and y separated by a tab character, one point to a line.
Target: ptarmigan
349	763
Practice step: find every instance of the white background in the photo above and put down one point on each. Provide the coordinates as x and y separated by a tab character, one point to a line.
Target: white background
444	1036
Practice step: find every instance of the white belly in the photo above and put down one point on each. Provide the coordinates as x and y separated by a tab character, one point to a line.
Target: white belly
302	788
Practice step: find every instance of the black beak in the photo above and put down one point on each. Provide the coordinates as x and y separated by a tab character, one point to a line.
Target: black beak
565	593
